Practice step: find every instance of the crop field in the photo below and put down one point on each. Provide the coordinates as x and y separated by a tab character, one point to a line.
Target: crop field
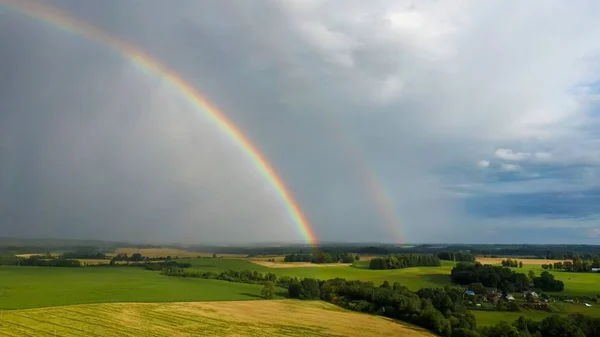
270	264
249	318
498	260
413	278
30	287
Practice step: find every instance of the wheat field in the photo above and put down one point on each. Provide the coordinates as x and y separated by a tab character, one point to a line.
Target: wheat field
240	318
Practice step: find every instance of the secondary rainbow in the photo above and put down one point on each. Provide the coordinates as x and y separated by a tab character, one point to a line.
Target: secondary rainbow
371	179
55	17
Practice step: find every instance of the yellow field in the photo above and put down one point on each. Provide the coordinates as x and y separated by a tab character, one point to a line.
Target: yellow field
93	261
297	264
244	318
277	258
174	253
498	260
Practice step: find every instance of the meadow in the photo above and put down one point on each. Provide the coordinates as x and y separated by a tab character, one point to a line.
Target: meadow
576	284
413	278
30	287
492	317
254	318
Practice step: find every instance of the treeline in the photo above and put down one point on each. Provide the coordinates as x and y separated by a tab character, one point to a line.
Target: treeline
150	265
576	265
512	263
243	276
38	261
503	278
456	256
438	310
558	252
84	254
137	257
322	258
404	261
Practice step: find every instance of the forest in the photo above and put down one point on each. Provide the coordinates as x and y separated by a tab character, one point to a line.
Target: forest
322	258
404	261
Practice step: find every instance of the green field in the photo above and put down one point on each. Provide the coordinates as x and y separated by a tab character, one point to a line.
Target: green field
30	287
493	317
576	284
413	278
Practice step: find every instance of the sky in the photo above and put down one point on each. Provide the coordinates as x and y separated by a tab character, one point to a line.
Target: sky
479	117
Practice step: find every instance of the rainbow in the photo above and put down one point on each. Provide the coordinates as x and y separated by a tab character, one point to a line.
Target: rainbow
57	18
376	188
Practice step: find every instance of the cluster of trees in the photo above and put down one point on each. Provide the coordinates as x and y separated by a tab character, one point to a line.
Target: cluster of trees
456	256
84	254
135	257
322	258
404	261
503	278
547	282
578	264
512	263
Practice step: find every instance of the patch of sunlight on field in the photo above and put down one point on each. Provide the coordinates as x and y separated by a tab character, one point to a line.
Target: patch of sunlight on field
255	318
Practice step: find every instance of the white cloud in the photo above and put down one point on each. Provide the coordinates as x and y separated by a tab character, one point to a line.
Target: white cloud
542	156
510	167
508	154
595	232
483	163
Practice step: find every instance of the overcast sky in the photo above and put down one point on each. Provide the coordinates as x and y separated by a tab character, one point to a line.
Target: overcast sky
480	118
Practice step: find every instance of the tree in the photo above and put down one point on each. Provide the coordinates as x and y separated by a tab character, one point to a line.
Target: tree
136	257
294	289
268	290
531	275
478	288
520	264
310	289
214	256
502	329
556	326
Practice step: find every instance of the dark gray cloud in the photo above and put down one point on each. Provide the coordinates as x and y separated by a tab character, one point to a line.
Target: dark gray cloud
450	108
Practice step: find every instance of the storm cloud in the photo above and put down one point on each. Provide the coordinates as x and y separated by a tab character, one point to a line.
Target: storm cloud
478	117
